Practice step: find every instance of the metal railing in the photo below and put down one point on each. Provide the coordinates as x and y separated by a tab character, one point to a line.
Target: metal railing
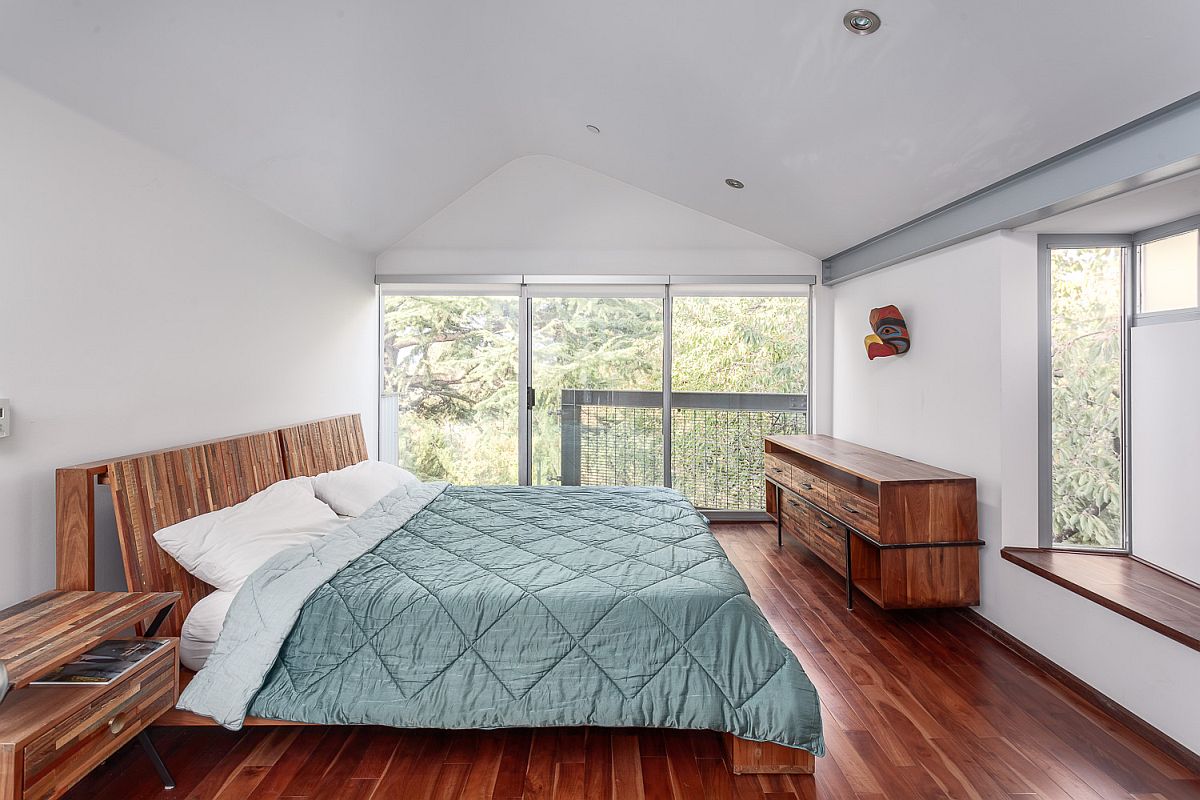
716	453
615	438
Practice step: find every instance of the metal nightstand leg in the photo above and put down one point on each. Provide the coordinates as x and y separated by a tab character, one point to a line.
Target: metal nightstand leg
164	774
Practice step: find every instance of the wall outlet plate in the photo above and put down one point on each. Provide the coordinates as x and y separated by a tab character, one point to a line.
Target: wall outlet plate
5	417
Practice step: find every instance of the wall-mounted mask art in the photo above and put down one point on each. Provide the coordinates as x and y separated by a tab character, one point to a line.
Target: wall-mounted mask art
891	333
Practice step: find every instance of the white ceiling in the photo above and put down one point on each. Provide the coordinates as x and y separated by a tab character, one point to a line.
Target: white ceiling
1130	212
362	119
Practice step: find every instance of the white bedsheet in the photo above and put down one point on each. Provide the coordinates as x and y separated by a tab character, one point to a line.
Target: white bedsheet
206	619
202	627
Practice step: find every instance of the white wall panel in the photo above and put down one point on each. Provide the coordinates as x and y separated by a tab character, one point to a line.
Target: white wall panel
144	304
1165	445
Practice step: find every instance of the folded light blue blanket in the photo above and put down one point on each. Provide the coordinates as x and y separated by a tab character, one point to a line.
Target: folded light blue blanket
486	607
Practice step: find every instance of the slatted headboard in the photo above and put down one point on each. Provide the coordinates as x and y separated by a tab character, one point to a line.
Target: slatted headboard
315	447
153	490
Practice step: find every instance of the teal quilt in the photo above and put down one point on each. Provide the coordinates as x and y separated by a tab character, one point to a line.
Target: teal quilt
487	607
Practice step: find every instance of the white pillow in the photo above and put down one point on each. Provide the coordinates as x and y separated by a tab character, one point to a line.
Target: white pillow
352	490
202	627
223	547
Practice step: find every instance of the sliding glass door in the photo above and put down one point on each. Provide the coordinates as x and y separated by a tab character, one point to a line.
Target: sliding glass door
739	372
595	385
596	399
450	397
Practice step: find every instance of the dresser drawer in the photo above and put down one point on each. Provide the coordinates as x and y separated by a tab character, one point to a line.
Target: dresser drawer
818	532
830	538
777	469
809	486
797	479
74	746
857	512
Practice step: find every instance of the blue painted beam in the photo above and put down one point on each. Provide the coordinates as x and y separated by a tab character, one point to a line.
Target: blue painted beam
1157	147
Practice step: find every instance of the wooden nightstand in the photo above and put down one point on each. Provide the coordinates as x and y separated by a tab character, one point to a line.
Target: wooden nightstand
51	736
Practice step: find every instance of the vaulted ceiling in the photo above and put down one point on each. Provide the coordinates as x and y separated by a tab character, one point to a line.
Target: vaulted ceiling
362	119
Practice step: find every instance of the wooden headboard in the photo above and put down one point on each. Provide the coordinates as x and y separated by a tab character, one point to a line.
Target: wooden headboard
315	447
153	490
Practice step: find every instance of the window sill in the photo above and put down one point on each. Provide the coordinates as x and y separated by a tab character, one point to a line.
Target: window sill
1132	588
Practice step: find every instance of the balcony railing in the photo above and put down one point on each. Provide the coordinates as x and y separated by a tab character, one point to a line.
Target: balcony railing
716	449
615	438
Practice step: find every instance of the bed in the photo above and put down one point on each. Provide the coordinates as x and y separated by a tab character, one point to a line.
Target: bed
459	607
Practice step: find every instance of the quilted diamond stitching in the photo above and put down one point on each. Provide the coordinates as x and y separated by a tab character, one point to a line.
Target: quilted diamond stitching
505	505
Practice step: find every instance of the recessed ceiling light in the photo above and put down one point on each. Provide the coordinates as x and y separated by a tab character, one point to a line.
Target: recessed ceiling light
593	129
734	183
861	21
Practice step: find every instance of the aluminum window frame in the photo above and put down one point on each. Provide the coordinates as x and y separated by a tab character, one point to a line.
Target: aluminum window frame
528	287
1153	235
1045	244
736	288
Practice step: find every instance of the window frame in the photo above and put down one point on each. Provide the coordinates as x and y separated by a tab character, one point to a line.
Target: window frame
527	287
1153	235
1045	244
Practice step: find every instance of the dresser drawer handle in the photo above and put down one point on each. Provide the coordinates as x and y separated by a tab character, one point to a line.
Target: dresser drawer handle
793	504
776	469
851	510
807	486
117	724
824	524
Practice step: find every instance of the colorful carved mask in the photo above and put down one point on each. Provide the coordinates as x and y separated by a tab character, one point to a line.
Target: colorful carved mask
891	333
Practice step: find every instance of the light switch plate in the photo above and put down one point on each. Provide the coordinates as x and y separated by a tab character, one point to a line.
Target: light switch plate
5	417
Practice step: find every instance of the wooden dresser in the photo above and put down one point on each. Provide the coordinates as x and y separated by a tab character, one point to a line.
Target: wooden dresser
902	533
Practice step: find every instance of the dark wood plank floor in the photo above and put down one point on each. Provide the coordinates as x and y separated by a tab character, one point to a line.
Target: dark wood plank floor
916	705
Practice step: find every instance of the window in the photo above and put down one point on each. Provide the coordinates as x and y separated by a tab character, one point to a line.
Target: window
1169	273
596	368
607	384
740	373
1120	320
1083	386
450	395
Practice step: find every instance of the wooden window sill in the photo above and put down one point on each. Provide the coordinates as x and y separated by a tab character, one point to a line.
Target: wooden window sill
1132	588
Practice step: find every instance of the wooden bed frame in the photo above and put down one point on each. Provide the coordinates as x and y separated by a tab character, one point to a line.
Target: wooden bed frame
153	490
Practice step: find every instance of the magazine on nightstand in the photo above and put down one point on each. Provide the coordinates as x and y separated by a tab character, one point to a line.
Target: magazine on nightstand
103	664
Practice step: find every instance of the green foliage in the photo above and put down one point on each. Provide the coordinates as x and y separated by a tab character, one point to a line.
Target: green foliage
452	364
452	361
740	344
1086	395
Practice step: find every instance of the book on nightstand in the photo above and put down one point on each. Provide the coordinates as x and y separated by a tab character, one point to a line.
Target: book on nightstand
103	664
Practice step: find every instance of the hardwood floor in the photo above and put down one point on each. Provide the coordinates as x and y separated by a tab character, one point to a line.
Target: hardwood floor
915	705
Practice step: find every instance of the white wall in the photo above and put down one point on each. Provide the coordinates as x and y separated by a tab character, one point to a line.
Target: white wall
1165	444
965	398
543	215
144	304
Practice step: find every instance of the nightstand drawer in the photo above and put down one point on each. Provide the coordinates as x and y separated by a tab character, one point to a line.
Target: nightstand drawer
72	747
